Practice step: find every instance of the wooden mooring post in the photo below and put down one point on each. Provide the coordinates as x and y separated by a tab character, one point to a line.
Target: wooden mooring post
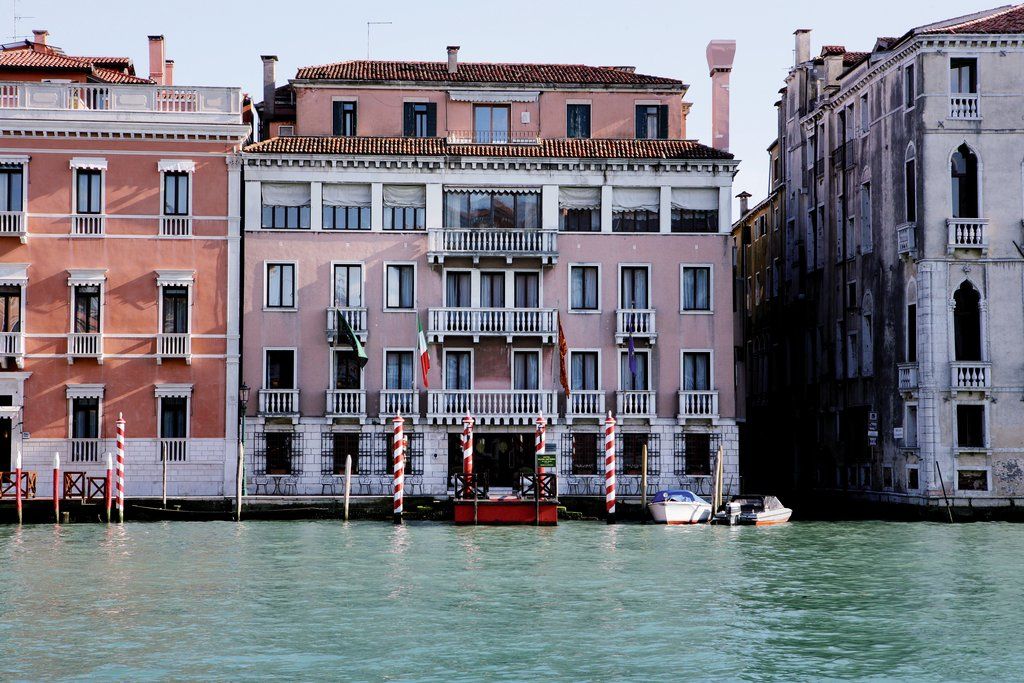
643	484
348	482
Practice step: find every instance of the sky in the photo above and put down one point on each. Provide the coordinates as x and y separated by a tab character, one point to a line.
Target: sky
219	42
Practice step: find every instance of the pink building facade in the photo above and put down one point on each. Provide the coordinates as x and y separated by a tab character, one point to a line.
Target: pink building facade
486	203
119	260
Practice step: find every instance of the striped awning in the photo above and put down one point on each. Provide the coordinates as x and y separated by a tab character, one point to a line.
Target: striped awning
489	189
89	163
176	166
13	274
175	278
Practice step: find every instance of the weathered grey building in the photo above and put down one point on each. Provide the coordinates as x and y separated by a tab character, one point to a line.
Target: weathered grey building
885	313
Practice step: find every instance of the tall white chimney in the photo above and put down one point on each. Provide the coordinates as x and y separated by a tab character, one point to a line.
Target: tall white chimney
803	44
269	93
720	54
453	59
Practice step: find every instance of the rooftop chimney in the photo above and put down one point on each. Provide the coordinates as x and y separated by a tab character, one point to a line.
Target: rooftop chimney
269	93
39	35
168	72
156	59
803	44
453	59
744	198
720	54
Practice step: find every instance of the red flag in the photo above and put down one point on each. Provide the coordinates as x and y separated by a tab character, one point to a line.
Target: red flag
563	351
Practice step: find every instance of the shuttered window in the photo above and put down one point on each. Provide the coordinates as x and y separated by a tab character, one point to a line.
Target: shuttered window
419	120
651	121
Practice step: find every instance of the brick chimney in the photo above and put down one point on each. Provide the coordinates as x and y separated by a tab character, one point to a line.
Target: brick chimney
720	54
168	72
39	35
744	198
803	45
156	59
269	93
453	59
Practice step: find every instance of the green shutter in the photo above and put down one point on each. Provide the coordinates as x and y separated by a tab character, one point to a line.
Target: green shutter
409	119
641	122
432	119
662	121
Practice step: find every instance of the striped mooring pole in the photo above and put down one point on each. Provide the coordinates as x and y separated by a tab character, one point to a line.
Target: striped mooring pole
539	445
609	467
467	454
17	484
399	462
56	487
109	489
120	468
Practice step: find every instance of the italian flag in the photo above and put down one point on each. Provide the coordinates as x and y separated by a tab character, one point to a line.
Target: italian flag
421	346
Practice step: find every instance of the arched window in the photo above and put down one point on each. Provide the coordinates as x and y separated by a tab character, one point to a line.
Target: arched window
967	322
910	324
963	173
867	336
910	183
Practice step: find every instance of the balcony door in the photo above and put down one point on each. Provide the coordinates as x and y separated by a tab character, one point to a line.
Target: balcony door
458	289
348	286
696	371
280	369
527	290
87	308
10	309
492	289
491	124
175	303
633	373
583	371
634	293
458	370
348	375
526	370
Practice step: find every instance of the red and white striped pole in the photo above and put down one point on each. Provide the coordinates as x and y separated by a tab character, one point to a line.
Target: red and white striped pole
467	454
609	467
109	489
539	442
399	464
17	483
56	485
120	468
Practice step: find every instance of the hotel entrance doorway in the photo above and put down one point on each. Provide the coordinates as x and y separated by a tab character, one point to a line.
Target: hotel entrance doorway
499	456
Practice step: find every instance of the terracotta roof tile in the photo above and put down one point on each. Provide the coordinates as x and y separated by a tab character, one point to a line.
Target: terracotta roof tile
829	50
102	69
558	148
115	76
854	58
480	72
1009	20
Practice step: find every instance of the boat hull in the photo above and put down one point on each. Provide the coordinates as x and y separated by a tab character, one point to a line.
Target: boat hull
506	512
675	512
766	518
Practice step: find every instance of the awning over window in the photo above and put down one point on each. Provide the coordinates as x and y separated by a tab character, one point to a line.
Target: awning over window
13	274
90	163
86	276
84	391
635	199
176	166
695	198
175	278
579	197
493	190
172	390
405	196
347	195
285	194
13	160
498	96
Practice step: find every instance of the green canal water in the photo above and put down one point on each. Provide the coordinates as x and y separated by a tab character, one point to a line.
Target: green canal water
583	601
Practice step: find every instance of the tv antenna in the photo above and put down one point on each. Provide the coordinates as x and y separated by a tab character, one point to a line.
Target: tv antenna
368	25
17	17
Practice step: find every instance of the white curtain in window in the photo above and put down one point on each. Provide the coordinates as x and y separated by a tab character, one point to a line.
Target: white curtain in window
347	195
285	194
414	196
695	198
579	197
635	199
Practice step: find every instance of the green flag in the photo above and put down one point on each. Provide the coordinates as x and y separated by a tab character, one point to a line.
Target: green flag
348	336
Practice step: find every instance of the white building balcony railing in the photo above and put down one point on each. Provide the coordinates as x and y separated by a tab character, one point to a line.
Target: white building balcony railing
584	404
404	402
173	450
85	449
907	376
356	317
906	239
85	345
346	403
491	242
491	406
174	345
175	226
12	345
493	137
635	404
970	375
12	224
87	224
640	322
967	233
698	404
964	106
279	402
493	322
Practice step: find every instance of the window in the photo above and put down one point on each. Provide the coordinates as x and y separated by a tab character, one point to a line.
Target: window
585	449
173	417
88	190
457	370
280	369
87	308
344	445
285	206
633	371
911	323
10	308
909	87
401	286
526	290
970	425
867	338
492	210
696	288
913	478
11	184
910	189
583	369
85	418
348	375
286	131
583	288
696	454
280	285
651	121
345	118
405	207
281	447
577	120
632	446
419	120
579	209
398	370
865	114
633	292
964	183
346	206
526	370
972	480
458	289
635	210
910	426
696	371
694	220
175	310
967	323
866	236
491	124
963	75
176	193
348	285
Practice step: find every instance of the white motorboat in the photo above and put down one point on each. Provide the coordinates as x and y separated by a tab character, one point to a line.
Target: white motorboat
754	510
678	506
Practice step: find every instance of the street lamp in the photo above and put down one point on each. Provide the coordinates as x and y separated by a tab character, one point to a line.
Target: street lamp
243	405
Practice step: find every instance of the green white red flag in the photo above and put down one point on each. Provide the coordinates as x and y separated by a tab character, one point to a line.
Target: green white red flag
421	346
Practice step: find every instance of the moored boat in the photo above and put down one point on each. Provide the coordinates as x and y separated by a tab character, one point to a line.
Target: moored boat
754	510
679	506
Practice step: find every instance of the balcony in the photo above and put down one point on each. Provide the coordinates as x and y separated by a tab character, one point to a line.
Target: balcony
698	405
279	402
87	224
173	450
85	345
356	318
346	403
906	239
584	405
636	321
493	322
970	376
493	137
175	226
967	233
86	449
964	107
173	345
12	345
12	224
487	406
635	404
491	242
906	376
404	402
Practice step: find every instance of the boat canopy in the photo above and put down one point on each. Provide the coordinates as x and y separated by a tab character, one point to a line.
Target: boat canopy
678	496
752	502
